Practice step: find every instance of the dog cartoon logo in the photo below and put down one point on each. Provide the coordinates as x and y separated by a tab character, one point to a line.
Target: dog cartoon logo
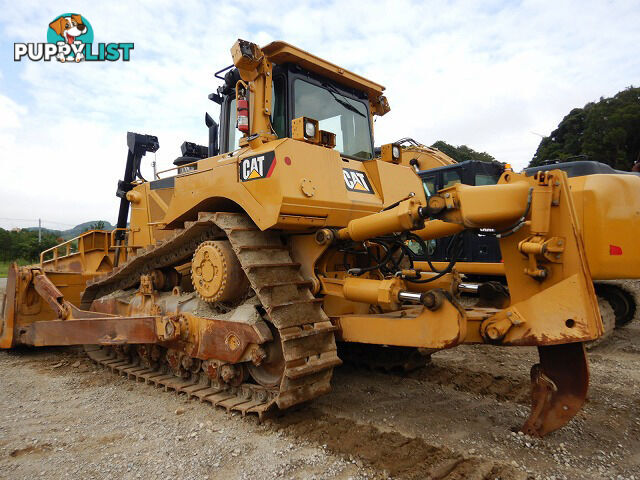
73	30
70	40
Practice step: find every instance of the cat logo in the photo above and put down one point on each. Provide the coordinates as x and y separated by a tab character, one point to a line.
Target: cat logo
356	181
258	166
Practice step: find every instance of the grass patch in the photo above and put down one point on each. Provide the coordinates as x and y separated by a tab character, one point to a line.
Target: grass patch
4	266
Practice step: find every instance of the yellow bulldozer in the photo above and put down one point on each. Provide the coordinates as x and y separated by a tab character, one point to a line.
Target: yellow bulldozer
232	276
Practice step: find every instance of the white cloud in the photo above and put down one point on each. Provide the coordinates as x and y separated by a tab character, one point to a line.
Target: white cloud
493	76
11	113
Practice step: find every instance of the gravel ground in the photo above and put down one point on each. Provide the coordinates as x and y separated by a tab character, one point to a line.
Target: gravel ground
62	417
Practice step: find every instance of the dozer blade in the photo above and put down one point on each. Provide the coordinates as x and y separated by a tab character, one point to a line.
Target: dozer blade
96	331
33	302
7	316
559	386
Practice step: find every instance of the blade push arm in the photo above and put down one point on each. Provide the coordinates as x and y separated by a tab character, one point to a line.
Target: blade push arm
553	304
553	300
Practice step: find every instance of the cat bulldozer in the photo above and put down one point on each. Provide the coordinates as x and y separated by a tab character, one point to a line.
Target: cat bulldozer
234	276
610	229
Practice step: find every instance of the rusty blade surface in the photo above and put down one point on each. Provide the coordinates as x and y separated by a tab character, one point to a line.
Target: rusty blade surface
50	293
99	331
9	308
559	385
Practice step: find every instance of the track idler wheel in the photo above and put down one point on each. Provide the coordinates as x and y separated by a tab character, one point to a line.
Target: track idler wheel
269	371
165	279
235	375
216	272
559	385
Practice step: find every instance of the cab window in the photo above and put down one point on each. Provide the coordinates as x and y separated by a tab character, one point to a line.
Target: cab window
429	184
278	117
484	179
337	113
450	178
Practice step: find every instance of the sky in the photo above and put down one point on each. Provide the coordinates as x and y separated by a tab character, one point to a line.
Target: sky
494	75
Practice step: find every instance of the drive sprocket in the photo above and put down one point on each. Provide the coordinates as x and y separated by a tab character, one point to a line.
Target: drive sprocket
216	273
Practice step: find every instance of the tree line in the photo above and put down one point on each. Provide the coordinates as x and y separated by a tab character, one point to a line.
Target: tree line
462	153
24	245
606	131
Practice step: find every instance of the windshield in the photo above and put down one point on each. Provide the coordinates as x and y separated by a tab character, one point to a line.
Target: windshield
336	113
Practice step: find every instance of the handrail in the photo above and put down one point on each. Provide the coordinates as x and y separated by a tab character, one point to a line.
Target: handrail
175	168
68	245
109	244
112	244
234	153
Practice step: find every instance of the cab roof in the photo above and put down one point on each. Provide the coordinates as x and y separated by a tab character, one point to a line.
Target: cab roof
281	52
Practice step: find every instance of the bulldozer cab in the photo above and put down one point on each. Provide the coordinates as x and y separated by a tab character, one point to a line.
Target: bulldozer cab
296	93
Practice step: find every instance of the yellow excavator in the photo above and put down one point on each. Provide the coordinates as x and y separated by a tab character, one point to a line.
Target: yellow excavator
232	276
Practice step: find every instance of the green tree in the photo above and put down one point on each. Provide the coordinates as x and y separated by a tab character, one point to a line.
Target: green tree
98	225
606	131
23	244
462	153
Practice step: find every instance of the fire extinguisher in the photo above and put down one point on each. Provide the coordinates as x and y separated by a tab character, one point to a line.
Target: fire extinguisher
242	106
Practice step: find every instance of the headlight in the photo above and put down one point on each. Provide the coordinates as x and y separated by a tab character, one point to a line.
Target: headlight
305	129
395	152
310	129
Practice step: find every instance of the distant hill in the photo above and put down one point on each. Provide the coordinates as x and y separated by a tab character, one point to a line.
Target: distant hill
77	230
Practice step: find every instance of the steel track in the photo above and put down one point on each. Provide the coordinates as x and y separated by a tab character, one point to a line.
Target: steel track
306	333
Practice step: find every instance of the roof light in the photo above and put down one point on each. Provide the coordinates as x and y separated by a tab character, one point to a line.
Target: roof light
309	129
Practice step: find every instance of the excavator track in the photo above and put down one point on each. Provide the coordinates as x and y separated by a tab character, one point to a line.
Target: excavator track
305	332
608	323
624	297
